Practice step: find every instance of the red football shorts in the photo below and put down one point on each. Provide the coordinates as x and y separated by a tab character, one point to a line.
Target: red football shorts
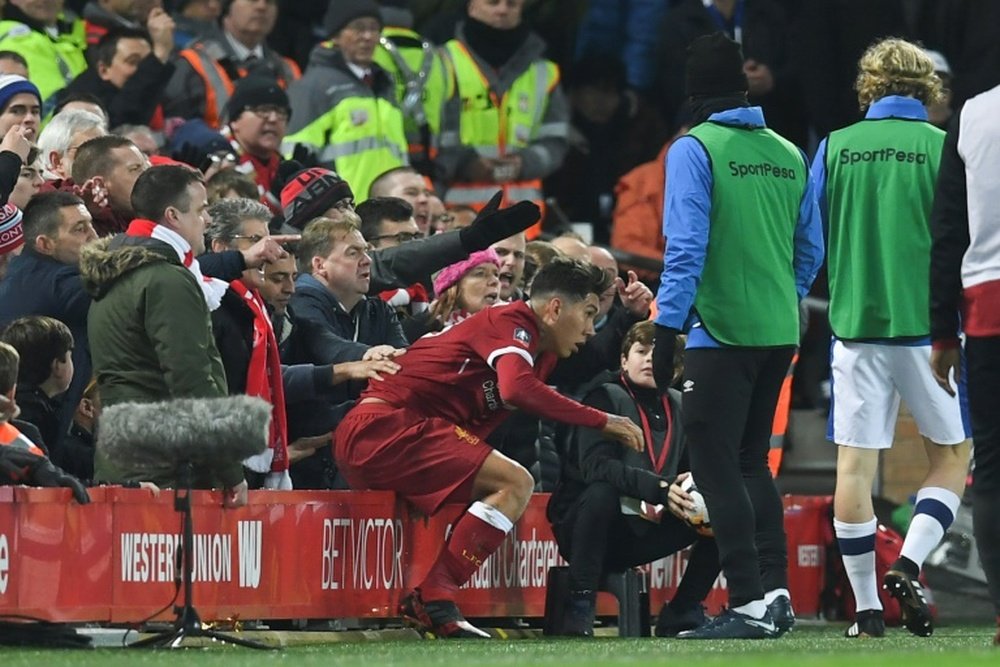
426	460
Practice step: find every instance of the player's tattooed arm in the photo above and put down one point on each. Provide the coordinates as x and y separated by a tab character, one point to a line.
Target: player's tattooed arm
624	431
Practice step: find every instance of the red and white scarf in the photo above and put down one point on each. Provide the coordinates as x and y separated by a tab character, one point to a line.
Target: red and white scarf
264	381
211	288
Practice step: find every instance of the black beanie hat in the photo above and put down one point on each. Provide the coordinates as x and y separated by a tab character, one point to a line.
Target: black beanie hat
715	67
256	91
342	12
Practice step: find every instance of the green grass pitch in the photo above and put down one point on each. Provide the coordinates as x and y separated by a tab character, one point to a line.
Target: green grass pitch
966	646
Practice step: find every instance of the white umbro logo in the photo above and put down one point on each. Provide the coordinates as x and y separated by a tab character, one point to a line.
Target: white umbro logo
688	386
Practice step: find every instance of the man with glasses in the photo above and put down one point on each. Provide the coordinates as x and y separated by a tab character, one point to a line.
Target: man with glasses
387	222
258	114
345	105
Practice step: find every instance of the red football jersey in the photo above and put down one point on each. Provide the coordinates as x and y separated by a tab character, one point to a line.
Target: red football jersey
452	374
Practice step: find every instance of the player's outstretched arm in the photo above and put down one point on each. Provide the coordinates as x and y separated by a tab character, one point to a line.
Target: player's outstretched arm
624	431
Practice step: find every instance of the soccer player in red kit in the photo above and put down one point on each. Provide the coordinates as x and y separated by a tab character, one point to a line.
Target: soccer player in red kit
421	434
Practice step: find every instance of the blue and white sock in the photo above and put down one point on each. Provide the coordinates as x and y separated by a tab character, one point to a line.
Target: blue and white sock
934	512
857	548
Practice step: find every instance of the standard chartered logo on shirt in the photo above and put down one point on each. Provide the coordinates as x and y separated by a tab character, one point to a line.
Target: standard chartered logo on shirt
888	154
764	169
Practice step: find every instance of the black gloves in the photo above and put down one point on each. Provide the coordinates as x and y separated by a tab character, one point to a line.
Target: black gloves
493	225
663	356
23	467
304	156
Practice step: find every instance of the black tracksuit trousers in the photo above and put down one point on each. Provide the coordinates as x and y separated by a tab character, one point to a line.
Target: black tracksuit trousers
730	396
983	363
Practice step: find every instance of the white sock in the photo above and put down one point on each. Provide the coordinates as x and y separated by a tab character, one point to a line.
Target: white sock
933	513
755	609
491	515
771	596
857	548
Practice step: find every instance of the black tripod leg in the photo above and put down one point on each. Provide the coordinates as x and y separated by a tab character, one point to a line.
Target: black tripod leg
159	640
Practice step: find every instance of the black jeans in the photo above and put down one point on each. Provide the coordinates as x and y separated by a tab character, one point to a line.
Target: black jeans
730	396
983	362
595	537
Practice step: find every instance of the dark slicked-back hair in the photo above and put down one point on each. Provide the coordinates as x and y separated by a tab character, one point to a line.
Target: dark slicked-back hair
569	278
42	215
105	49
162	187
373	212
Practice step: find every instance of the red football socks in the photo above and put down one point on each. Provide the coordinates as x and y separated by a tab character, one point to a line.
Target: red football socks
472	542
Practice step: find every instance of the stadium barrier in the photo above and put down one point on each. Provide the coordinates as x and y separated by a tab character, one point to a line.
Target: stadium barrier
293	555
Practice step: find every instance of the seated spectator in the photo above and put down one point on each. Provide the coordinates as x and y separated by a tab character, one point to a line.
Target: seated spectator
572	246
25	460
320	192
602	258
11	236
61	139
146	140
303	341
29	181
460	290
202	147
79	443
387	222
114	164
511	253
332	287
12	62
229	184
537	254
209	68
54	47
608	510
130	69
438	216
45	347
45	279
20	104
461	217
80	101
406	183
195	19
258	114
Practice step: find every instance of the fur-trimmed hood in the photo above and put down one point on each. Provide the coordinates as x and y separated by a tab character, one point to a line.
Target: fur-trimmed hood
106	260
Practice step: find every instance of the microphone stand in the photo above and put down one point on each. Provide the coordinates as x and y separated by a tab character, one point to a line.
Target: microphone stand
188	623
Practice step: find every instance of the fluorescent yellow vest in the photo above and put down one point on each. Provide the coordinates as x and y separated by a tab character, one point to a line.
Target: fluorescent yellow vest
423	84
362	135
52	63
498	126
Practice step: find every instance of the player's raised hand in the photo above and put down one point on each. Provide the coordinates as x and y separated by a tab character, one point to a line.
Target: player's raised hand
635	296
624	431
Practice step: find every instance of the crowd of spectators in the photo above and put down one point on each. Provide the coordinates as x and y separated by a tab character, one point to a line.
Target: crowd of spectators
277	197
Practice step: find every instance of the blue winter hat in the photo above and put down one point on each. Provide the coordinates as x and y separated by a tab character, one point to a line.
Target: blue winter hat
11	85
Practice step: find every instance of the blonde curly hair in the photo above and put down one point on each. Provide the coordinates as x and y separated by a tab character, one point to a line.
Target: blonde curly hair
896	67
